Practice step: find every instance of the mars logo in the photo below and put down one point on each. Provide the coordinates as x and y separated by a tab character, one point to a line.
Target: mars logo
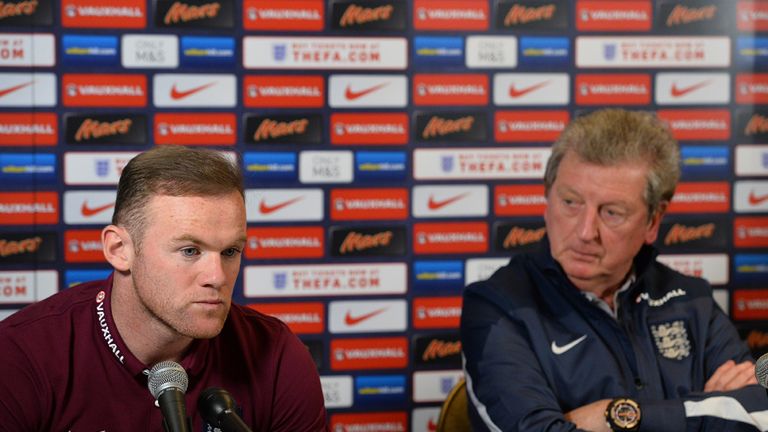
27	247
375	15
692	234
368	241
105	129
453	126
26	13
284	128
518	236
195	14
684	18
528	15
752	126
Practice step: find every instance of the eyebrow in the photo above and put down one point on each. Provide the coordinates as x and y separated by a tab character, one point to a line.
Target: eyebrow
192	239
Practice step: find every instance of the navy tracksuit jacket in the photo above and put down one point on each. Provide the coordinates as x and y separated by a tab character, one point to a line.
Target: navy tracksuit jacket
535	347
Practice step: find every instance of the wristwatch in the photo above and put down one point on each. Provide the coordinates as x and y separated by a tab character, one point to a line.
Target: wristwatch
623	414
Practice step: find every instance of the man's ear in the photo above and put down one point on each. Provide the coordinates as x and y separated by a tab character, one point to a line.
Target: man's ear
655	223
118	247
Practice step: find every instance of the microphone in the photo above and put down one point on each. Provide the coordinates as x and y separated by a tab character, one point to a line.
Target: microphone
217	407
761	370
168	382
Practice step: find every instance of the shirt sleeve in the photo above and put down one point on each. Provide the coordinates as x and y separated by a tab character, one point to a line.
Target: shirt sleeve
506	387
299	405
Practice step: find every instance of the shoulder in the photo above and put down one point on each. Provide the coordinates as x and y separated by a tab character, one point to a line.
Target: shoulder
51	316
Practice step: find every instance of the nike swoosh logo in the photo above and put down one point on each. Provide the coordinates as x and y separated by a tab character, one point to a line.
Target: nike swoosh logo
437	205
9	90
264	208
562	349
352	95
516	93
90	211
756	200
350	320
682	91
177	94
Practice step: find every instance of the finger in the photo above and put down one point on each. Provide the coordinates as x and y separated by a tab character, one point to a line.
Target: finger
715	381
735	377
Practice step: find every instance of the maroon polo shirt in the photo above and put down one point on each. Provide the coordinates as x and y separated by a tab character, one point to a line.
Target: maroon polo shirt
64	367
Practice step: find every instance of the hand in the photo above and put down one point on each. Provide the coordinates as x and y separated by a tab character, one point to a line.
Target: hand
590	417
731	376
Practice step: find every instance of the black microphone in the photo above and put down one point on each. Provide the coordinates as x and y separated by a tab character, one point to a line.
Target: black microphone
168	382
217	407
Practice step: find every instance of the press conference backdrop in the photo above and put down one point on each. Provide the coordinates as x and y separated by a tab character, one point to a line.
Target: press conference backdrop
393	152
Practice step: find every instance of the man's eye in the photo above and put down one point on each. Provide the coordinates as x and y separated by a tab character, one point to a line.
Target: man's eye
231	252
190	252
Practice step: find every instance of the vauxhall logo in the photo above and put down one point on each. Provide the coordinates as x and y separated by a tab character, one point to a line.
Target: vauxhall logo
105	330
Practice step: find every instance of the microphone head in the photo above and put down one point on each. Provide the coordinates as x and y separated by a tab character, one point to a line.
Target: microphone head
213	402
167	375
761	370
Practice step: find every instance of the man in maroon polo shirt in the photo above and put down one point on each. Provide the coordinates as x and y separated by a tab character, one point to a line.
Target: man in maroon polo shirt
78	361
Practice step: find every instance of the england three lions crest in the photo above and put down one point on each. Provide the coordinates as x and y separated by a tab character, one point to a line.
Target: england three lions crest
672	339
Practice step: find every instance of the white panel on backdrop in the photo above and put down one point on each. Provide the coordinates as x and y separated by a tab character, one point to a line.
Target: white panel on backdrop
150	51
195	90
440	201
510	89
263	52
283	205
28	89
692	88
27	50
367	91
491	52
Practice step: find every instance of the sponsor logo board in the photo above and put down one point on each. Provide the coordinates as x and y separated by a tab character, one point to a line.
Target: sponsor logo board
368	241
374	15
95	168
652	52
438	201
27	50
100	129
336	53
283	91
140	51
450	238
337	390
369	128
367	91
380	166
195	129
750	232
326	167
693	88
712	267
89	207
28	247
296	15
512	89
613	89
195	14
367	316
454	126
519	15
301	317
613	16
751	160
369	353
284	205
29	208
478	269
450	89
750	196
28	129
283	128
89	51
479	163
27	286
491	52
701	197
325	280
436	312
518	236
36	89
529	125
285	242
369	204
83	246
194	90
429	276
453	15
435	350
106	14
434	386
519	200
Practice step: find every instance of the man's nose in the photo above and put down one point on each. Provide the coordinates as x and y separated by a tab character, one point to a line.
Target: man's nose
213	274
588	224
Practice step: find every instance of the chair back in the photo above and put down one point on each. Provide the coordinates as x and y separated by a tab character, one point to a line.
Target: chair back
454	416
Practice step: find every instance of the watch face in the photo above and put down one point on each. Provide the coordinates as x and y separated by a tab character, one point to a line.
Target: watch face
625	413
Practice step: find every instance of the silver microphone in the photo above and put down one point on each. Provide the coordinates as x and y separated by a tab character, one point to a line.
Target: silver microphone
168	382
761	370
